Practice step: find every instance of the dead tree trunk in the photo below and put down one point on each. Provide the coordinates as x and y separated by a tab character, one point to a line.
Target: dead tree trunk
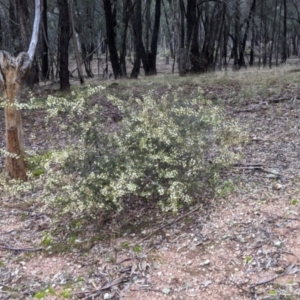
13	72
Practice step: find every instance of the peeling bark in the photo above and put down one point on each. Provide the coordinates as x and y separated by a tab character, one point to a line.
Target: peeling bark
13	71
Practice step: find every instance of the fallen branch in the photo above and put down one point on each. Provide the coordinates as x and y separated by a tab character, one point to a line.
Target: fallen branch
5	247
258	167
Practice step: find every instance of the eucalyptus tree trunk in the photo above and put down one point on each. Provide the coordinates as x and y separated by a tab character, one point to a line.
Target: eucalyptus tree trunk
273	36
243	45
251	62
192	36
213	24
150	62
88	45
126	17
182	27
45	59
284	41
110	20
148	58
138	42
75	44
13	72
237	32
63	47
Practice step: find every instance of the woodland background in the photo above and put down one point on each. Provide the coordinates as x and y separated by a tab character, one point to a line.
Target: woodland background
193	36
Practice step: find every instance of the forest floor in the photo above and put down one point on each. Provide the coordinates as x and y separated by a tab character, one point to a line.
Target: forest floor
245	246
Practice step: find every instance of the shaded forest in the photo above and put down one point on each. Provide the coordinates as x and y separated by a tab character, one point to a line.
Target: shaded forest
124	38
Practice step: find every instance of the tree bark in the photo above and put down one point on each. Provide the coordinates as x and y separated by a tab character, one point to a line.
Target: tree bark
151	56
126	18
13	72
63	46
192	36
138	43
273	36
241	61
284	41
45	60
15	165
236	39
75	44
110	20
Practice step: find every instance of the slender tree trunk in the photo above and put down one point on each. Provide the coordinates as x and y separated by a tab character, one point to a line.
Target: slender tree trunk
154	40
284	41
213	25
45	60
110	20
241	61
226	38
266	38
192	36
273	36
236	39
220	39
63	46
126	18
182	51
182	21
147	25
138	43
75	44
170	31
251	62
278	43
87	38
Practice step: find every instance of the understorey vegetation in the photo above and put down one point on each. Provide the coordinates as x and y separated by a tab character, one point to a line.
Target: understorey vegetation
160	147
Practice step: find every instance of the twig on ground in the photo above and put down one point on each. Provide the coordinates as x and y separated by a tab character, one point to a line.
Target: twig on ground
289	271
290	253
142	255
166	225
97	292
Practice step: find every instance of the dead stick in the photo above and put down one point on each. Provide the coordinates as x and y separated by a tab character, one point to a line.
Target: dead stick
166	225
287	272
267	281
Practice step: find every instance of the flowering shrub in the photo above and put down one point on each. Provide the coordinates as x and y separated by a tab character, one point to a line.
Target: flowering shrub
167	149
